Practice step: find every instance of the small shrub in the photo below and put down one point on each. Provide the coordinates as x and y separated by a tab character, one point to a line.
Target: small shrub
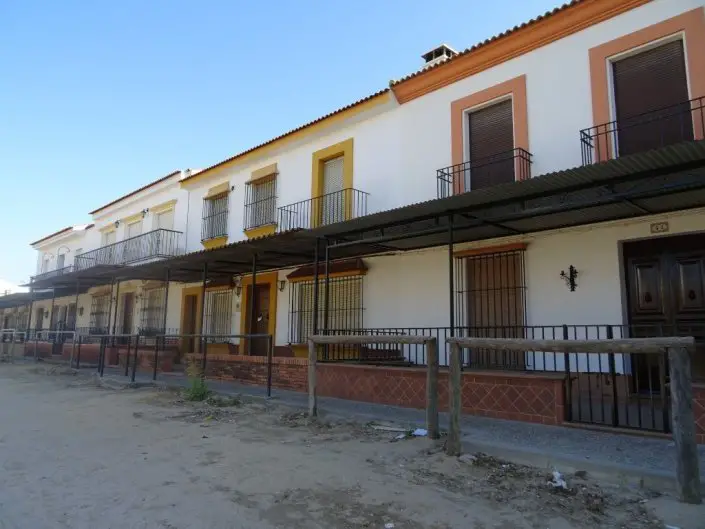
198	389
219	401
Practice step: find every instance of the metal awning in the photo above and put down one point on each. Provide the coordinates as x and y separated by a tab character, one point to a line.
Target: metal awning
658	181
25	298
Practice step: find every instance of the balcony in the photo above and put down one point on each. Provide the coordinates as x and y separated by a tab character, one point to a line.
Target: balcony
651	130
53	273
326	209
157	244
488	171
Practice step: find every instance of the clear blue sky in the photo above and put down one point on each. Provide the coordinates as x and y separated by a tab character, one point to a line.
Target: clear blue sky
99	98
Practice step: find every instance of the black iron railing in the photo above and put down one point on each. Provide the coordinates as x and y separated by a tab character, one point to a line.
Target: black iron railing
157	244
651	130
215	217
53	273
610	389
260	203
326	209
483	172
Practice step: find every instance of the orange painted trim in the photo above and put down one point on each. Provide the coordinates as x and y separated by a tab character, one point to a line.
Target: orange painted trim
690	24
511	247
512	44
516	88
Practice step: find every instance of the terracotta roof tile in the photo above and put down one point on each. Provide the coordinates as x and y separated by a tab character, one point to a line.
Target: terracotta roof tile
160	180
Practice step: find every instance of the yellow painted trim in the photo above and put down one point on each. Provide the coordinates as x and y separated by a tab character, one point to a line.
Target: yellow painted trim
132	218
300	350
272	279
261	231
304	132
161	208
217	242
107	228
321	277
218	190
345	149
264	172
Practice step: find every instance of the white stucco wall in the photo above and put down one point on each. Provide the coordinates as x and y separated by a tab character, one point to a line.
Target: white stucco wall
558	99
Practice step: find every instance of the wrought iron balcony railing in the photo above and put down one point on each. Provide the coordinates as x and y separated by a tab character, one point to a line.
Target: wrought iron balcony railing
651	130
326	209
52	273
488	171
157	244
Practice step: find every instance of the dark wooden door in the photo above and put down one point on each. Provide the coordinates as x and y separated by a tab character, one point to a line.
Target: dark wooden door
259	323
71	318
651	99
666	297
190	327
128	313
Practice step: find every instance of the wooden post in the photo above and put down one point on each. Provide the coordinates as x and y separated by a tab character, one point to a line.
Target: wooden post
432	389
453	445
312	359
687	463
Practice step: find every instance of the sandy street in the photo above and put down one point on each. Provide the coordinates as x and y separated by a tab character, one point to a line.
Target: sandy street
79	456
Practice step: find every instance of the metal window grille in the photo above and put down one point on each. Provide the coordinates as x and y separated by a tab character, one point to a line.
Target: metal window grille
215	217
218	312
491	303
100	314
345	307
261	203
152	311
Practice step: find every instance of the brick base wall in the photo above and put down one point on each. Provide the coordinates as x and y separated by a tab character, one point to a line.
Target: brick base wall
516	396
287	373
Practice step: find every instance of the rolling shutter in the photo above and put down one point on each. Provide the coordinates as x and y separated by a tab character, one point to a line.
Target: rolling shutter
651	99
491	135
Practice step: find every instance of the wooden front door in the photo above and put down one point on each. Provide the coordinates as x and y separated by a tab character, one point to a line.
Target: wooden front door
259	322
666	297
189	324
128	313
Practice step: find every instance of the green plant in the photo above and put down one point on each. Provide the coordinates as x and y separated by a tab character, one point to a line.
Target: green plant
198	389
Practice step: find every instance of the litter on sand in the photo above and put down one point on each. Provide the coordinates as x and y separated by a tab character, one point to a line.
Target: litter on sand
420	432
558	482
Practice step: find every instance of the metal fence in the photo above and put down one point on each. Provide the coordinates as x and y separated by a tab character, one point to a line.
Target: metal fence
488	171
156	244
650	130
215	217
323	210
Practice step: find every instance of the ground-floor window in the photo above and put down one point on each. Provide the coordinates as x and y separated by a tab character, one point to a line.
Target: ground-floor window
491	302
153	310
100	314
345	307
218	313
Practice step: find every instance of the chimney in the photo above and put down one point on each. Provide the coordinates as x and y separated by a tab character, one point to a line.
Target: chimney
438	54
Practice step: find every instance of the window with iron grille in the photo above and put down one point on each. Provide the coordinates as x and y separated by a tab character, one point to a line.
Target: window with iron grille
218	313
152	311
261	202
491	303
345	306
100	314
215	217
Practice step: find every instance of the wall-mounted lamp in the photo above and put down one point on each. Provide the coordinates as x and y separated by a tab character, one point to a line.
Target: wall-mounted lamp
570	278
46	315
238	286
282	285
144	212
80	311
117	223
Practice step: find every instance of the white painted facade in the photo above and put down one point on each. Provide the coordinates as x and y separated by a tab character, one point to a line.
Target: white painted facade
397	151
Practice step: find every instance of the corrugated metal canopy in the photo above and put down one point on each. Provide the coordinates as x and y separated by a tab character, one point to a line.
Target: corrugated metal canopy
663	180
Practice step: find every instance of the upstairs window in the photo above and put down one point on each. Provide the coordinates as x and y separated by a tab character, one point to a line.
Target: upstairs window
215	216
490	149
651	99
261	202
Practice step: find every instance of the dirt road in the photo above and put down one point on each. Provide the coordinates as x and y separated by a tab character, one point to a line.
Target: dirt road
75	455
